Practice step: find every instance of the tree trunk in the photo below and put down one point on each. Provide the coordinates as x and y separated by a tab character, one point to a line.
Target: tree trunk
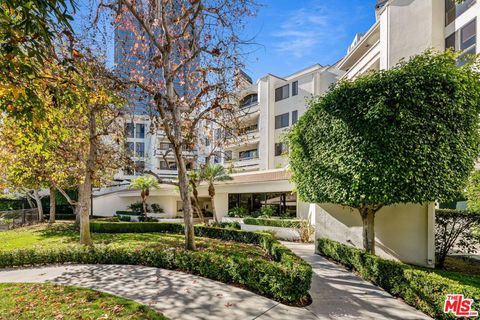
86	188
144	204
38	200
51	220
368	232
211	192
186	202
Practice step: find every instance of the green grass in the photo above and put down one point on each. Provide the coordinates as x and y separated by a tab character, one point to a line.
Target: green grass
48	301
63	234
465	271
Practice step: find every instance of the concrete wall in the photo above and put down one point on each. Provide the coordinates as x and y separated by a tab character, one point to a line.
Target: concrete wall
403	232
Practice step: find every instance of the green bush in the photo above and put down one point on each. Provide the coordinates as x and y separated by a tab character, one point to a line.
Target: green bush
128	213
156	208
282	223
285	278
419	287
230	225
238	212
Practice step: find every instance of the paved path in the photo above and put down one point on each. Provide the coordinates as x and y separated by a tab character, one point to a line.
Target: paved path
339	294
336	293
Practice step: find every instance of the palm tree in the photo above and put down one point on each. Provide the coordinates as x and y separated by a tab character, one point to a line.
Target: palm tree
145	184
213	173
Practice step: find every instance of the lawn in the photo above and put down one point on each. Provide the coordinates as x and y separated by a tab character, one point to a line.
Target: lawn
48	301
465	271
64	234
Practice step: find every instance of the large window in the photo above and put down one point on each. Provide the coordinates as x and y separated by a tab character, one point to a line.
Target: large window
468	36
294	88
280	149
249	100
282	92
140	149
294	117
140	131
284	203
281	121
129	130
451	41
248	154
454	9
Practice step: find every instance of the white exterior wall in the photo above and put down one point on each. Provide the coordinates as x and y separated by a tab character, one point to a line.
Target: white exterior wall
403	232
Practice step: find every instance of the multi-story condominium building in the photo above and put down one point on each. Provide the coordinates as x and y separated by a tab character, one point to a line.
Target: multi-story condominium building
267	109
406	28
149	147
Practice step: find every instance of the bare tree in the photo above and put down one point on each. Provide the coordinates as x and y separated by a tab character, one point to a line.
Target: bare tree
186	53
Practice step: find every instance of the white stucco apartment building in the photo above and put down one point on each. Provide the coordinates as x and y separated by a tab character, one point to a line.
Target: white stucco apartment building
271	105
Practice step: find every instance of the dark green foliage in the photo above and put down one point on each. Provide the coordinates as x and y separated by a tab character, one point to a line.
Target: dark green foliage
409	134
230	225
283	276
156	208
138	207
421	288
129	213
453	229
238	212
12	204
282	223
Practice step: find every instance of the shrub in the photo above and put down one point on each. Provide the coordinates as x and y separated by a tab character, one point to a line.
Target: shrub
128	213
230	225
285	278
238	212
453	229
419	287
138	207
125	218
156	208
281	223
267	211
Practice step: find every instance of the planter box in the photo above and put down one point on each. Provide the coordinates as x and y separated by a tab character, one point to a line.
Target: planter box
290	234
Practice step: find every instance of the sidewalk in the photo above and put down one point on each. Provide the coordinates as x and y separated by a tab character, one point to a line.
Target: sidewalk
336	292
339	294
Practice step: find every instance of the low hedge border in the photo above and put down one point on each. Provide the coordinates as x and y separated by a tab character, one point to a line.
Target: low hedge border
128	213
419	287
285	278
280	223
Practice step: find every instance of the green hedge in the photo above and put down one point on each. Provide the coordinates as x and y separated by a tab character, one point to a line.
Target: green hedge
421	288
282	223
62	216
129	213
285	277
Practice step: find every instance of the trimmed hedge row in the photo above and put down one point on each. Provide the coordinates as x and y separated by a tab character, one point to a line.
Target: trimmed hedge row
281	223
423	289
285	278
129	213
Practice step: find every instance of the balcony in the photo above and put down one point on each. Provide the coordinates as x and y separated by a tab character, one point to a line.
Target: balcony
251	110
250	137
247	163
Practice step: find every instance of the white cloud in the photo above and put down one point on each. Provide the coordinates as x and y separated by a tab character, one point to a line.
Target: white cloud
302	31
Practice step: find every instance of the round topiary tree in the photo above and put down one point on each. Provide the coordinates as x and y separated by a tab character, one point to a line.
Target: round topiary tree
406	135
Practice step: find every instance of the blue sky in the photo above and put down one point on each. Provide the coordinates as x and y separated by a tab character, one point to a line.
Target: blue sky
293	34
290	34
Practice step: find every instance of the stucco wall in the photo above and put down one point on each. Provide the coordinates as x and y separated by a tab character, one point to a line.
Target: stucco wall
404	232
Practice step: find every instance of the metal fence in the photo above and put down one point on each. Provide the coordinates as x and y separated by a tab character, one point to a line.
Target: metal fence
15	218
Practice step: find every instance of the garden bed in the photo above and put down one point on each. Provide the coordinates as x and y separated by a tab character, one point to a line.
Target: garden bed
252	260
425	289
48	301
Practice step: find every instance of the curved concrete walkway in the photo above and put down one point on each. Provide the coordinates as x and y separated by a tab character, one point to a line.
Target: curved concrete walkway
336	293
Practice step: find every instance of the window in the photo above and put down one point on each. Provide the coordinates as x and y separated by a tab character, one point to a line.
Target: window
281	121
140	149
284	203
248	154
249	100
468	35
450	42
228	155
295	88
167	165
294	117
130	148
129	128
280	149
165	146
218	133
139	168
140	131
454	9
282	92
